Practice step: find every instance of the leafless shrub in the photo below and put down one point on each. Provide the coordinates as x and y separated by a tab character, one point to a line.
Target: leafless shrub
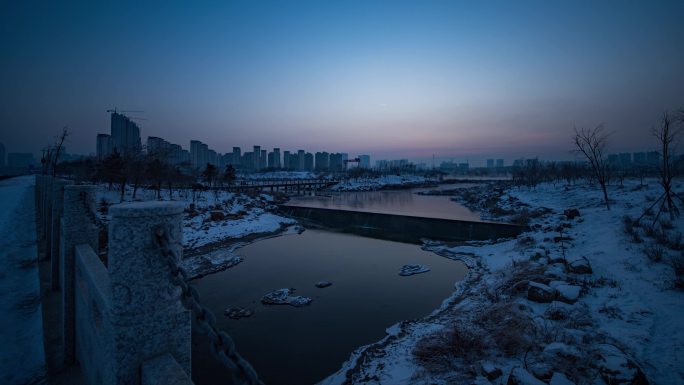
525	242
516	279
654	253
510	327
675	241
666	224
610	311
630	228
441	350
601	282
677	263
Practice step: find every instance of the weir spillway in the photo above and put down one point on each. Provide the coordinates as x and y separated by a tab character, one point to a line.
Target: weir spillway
402	228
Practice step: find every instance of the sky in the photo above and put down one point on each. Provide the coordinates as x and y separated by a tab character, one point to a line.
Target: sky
394	79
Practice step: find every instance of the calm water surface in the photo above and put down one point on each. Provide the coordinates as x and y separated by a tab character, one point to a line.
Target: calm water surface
288	345
404	202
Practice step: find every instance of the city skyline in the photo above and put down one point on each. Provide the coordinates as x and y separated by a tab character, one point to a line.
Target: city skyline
399	80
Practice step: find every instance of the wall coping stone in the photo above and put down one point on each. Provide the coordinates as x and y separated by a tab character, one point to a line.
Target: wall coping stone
145	209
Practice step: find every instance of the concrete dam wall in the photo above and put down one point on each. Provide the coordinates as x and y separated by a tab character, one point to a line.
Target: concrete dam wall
402	228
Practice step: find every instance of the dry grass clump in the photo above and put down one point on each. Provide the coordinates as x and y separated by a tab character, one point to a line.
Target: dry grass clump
516	279
509	326
462	343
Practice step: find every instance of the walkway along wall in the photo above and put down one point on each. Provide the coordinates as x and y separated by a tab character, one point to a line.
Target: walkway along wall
124	323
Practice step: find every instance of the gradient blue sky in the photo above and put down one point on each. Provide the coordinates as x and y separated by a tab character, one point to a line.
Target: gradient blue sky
462	80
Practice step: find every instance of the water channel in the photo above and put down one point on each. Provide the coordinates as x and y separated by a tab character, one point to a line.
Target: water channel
288	345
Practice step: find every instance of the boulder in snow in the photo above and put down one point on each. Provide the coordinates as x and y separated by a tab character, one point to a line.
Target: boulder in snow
520	376
237	312
285	297
407	270
560	379
558	258
579	266
558	350
571	213
217	215
558	311
568	293
616	368
538	292
490	370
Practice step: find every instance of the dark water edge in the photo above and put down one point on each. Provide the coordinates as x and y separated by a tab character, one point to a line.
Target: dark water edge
288	345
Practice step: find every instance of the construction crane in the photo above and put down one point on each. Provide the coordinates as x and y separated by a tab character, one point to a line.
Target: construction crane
115	111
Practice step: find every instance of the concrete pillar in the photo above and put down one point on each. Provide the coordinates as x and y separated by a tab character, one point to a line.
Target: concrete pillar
76	228
57	209
147	315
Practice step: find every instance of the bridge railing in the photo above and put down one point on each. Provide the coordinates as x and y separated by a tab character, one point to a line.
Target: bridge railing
123	322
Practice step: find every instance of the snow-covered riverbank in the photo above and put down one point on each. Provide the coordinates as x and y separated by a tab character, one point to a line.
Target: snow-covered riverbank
574	300
213	220
382	182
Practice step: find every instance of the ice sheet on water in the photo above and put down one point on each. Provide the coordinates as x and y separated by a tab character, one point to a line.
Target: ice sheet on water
407	270
285	297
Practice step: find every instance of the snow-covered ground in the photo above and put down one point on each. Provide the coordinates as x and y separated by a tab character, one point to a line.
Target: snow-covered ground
498	328
281	175
22	356
212	219
382	182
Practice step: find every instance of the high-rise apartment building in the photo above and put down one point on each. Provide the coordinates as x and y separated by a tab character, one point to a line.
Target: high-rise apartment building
300	160
125	134
237	156
256	161
308	162
364	161
322	161
103	146
276	158
286	160
199	154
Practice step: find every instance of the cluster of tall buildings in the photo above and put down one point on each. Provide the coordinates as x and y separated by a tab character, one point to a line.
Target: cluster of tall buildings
16	160
124	138
636	159
495	163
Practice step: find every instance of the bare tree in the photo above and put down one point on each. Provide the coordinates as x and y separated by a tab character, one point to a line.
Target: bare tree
58	148
592	143
668	134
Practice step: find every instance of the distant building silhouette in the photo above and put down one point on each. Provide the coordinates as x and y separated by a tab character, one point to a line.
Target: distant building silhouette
364	161
20	159
103	146
125	134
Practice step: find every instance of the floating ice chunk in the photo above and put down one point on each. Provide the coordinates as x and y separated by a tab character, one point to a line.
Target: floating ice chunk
238	312
407	270
323	284
285	297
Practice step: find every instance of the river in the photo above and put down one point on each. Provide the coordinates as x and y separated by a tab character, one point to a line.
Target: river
288	345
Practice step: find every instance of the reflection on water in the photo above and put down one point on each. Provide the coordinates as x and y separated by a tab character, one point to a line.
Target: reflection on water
403	202
289	345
